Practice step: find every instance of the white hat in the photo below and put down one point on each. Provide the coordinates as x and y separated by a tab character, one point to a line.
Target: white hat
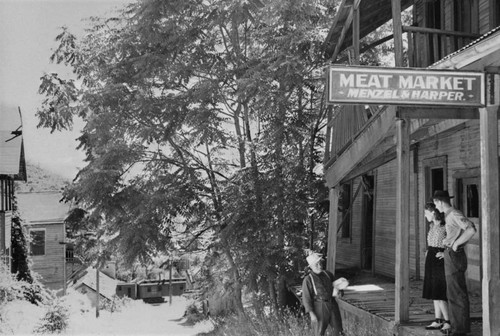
314	258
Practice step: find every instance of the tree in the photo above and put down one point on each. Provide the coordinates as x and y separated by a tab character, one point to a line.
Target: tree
19	248
202	123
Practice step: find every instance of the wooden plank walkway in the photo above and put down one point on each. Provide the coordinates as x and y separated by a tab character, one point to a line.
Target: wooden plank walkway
371	299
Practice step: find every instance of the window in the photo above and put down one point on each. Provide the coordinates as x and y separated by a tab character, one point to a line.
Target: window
433	14
468	196
37	243
466	16
495	13
433	50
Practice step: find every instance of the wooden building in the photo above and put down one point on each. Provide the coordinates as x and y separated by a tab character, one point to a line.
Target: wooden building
12	168
43	215
152	290
86	284
383	162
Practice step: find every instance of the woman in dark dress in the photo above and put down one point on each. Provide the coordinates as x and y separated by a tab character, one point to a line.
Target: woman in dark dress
434	279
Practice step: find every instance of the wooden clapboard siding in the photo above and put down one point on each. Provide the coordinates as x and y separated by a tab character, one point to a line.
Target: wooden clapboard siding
385	220
463	153
51	265
413	238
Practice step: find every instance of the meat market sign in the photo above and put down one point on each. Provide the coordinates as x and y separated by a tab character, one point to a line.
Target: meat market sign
404	86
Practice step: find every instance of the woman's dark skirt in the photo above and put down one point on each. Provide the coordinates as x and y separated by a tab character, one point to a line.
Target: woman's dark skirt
434	279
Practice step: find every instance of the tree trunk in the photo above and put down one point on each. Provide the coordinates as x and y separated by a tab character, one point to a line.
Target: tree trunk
237	285
272	295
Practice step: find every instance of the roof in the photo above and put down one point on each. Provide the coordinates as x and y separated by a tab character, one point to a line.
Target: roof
42	207
372	15
107	285
483	46
12	161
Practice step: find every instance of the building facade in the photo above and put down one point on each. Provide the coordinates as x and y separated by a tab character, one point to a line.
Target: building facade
383	162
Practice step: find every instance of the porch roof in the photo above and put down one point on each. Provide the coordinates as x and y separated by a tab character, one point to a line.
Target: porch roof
373	14
376	144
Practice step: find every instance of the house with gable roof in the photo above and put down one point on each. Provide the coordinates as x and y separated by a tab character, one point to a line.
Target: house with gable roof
43	215
12	168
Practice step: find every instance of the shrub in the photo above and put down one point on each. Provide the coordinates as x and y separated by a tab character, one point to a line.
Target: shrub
194	313
115	304
55	319
13	289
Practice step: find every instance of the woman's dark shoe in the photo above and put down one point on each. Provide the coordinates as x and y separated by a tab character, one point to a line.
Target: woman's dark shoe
446	329
436	325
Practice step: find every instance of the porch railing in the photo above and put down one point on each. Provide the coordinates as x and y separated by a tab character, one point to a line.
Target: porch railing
427	45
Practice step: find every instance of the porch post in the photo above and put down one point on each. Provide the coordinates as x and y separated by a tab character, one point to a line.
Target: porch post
332	229
401	313
402	285
488	121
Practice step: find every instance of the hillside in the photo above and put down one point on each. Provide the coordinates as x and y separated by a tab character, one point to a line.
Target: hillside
40	180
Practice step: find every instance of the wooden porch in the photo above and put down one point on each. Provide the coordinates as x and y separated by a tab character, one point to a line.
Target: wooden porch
369	303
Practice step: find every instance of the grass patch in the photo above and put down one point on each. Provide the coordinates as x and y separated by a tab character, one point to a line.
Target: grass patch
286	325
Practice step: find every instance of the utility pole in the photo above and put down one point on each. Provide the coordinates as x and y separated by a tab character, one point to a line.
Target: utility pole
90	235
97	291
97	278
170	280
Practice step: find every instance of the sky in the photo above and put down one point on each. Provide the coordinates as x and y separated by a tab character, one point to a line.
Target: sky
27	38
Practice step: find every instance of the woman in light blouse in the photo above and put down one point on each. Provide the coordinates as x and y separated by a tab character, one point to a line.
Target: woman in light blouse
434	279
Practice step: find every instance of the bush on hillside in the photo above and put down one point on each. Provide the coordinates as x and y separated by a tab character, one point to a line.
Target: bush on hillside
115	304
13	289
55	319
194	313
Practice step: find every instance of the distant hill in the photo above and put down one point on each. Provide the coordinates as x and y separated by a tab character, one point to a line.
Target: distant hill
40	180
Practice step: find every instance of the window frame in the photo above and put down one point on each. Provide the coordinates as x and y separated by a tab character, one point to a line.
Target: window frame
31	244
459	177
